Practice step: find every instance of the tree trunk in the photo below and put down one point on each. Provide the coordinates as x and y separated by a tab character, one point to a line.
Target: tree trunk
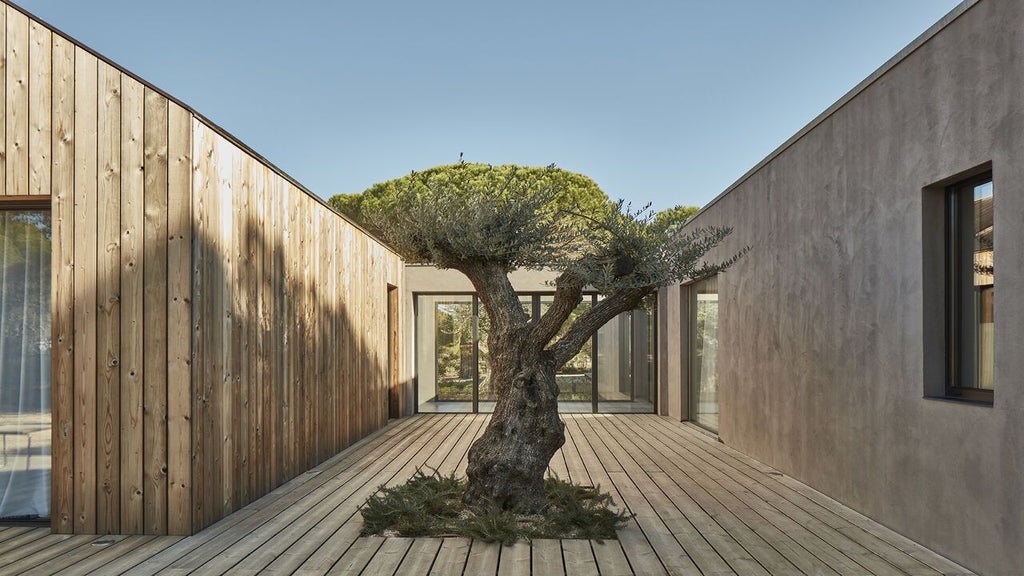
507	463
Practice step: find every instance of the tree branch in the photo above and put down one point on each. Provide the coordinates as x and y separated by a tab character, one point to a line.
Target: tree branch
568	295
592	320
497	294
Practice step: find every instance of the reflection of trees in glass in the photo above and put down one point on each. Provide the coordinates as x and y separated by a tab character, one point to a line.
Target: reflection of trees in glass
24	310
707	336
575	382
454	353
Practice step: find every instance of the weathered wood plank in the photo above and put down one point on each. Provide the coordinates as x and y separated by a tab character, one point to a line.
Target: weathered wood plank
154	319
236	449
17	98
642	556
387	559
870	552
108	298
515	559
262	256
85	291
245	535
25	538
483	558
97	563
223	261
311	525
179	320
202	411
420	557
3	90
451	557
131	376
810	542
62	508
546	557
579	558
74	556
40	108
358	556
125	560
641	468
250	376
55	548
293	536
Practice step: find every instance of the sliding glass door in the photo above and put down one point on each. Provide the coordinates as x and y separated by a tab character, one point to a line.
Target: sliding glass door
613	372
24	364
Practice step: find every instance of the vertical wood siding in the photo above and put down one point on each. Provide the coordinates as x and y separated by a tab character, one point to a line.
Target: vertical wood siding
272	335
115	159
216	330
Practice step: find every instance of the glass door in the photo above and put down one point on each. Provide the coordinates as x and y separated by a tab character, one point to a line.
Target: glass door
24	364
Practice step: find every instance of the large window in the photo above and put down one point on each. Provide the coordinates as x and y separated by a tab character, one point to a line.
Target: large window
613	372
24	363
970	290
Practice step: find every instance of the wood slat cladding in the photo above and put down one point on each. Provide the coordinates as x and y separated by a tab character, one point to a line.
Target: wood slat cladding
216	331
269	401
99	146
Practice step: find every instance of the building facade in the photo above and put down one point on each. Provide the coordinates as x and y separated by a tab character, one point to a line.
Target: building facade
861	346
182	327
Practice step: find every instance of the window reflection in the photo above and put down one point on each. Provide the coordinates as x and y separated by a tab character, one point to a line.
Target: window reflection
704	352
25	344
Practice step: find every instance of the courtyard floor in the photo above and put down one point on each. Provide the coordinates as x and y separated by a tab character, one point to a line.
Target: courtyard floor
701	508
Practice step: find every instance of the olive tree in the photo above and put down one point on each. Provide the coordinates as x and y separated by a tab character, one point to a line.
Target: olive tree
486	221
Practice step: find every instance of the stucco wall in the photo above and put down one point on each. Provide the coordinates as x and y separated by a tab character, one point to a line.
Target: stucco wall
822	326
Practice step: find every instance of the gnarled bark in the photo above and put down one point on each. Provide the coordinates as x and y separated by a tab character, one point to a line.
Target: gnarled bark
507	463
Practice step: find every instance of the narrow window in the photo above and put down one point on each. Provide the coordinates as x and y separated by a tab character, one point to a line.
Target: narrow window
970	287
25	234
703	354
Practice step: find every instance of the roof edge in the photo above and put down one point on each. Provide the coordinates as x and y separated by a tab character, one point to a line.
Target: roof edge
211	124
903	54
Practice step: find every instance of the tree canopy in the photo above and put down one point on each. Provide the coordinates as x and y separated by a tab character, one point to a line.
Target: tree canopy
486	221
564	192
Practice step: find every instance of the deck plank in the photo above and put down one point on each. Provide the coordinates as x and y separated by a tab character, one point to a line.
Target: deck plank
420	557
690	538
515	560
357	556
579	558
483	558
388	558
451	557
547	558
701	508
274	537
345	513
641	555
827	544
874	554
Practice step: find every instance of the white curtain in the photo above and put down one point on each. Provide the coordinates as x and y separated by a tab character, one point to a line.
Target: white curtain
24	364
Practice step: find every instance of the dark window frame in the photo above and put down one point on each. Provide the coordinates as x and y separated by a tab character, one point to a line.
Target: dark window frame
29	203
35	202
956	283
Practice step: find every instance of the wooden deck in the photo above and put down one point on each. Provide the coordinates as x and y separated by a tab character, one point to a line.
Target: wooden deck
701	508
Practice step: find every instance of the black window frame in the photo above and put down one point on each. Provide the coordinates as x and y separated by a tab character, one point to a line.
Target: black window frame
956	283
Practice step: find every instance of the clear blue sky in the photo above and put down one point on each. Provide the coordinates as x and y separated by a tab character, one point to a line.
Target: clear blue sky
668	101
